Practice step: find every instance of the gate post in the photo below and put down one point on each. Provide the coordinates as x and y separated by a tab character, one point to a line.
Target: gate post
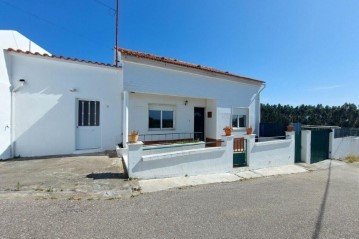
228	145
291	136
251	140
135	152
306	145
331	142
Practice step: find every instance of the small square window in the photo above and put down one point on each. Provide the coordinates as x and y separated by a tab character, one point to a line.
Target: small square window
239	117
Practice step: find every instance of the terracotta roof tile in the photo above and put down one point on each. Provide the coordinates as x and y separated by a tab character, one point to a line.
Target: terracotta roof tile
58	57
182	63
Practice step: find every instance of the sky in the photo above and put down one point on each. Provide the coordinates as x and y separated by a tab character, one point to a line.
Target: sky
306	51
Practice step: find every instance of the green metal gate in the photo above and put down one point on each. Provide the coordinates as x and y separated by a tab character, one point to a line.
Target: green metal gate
298	146
239	152
319	145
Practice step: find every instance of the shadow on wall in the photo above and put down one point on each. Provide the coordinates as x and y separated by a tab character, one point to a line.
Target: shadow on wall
5	154
265	146
169	162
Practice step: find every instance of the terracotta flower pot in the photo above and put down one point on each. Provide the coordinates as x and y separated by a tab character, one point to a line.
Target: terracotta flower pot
290	128
249	130
227	132
133	138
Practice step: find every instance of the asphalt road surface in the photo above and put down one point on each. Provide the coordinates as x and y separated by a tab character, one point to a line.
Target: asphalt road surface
319	204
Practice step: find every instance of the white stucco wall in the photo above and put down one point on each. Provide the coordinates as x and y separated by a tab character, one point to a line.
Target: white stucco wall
272	154
45	109
15	40
183	114
9	39
355	146
342	147
170	80
180	163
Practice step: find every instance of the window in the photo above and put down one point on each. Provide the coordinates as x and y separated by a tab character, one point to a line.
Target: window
239	117
161	117
88	113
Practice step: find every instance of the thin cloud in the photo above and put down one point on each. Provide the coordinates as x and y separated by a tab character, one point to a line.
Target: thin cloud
321	88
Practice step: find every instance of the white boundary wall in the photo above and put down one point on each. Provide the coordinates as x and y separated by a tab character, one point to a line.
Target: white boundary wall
342	147
180	163
271	153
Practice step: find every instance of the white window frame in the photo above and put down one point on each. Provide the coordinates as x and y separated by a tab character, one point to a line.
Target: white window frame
161	108
240	111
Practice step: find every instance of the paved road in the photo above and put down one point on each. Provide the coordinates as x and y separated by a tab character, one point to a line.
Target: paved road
319	204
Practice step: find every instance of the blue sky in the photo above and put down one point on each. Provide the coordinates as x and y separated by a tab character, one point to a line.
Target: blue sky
307	51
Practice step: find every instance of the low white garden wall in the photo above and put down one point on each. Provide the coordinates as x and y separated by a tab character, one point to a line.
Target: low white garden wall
180	163
271	153
158	149
342	147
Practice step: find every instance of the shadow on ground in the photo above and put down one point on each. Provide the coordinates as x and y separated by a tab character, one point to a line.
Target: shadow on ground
96	176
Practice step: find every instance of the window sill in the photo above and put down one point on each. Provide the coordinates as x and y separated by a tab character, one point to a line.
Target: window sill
239	129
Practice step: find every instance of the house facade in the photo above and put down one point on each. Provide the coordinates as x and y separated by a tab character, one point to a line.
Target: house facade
55	105
192	97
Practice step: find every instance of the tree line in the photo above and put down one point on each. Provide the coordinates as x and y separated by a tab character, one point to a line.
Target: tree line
346	115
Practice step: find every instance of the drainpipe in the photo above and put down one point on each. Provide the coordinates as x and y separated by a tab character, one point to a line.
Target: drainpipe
259	106
12	116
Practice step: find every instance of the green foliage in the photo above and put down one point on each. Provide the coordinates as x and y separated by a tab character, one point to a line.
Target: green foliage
346	115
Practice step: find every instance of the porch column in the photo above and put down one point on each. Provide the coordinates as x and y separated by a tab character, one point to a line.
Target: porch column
125	119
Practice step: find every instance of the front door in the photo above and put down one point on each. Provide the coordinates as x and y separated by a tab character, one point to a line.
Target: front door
88	133
199	123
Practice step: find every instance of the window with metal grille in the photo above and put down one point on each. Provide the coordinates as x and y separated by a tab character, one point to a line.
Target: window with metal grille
88	113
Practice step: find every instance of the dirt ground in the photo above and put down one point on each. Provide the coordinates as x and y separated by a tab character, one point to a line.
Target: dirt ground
86	177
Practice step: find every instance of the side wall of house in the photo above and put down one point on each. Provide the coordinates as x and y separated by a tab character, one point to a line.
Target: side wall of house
45	113
9	39
222	95
5	109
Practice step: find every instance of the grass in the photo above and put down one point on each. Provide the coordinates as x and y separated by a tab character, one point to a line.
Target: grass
352	159
18	186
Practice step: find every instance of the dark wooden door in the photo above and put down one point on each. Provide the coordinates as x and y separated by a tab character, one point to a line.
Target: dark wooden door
199	123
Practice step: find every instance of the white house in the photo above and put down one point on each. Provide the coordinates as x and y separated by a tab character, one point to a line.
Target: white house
53	105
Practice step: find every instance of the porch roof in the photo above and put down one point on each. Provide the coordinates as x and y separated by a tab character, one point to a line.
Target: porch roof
138	54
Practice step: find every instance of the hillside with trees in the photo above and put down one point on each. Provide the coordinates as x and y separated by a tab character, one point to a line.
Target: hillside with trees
346	115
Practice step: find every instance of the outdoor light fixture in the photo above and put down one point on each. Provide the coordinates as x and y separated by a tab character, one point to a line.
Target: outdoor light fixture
22	83
185	102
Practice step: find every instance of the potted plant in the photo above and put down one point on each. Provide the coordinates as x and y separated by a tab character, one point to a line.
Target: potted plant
133	136
290	127
228	130
249	130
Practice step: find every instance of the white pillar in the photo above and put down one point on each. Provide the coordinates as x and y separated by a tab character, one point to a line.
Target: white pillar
251	140
228	144
331	141
135	152
306	145
291	136
125	119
